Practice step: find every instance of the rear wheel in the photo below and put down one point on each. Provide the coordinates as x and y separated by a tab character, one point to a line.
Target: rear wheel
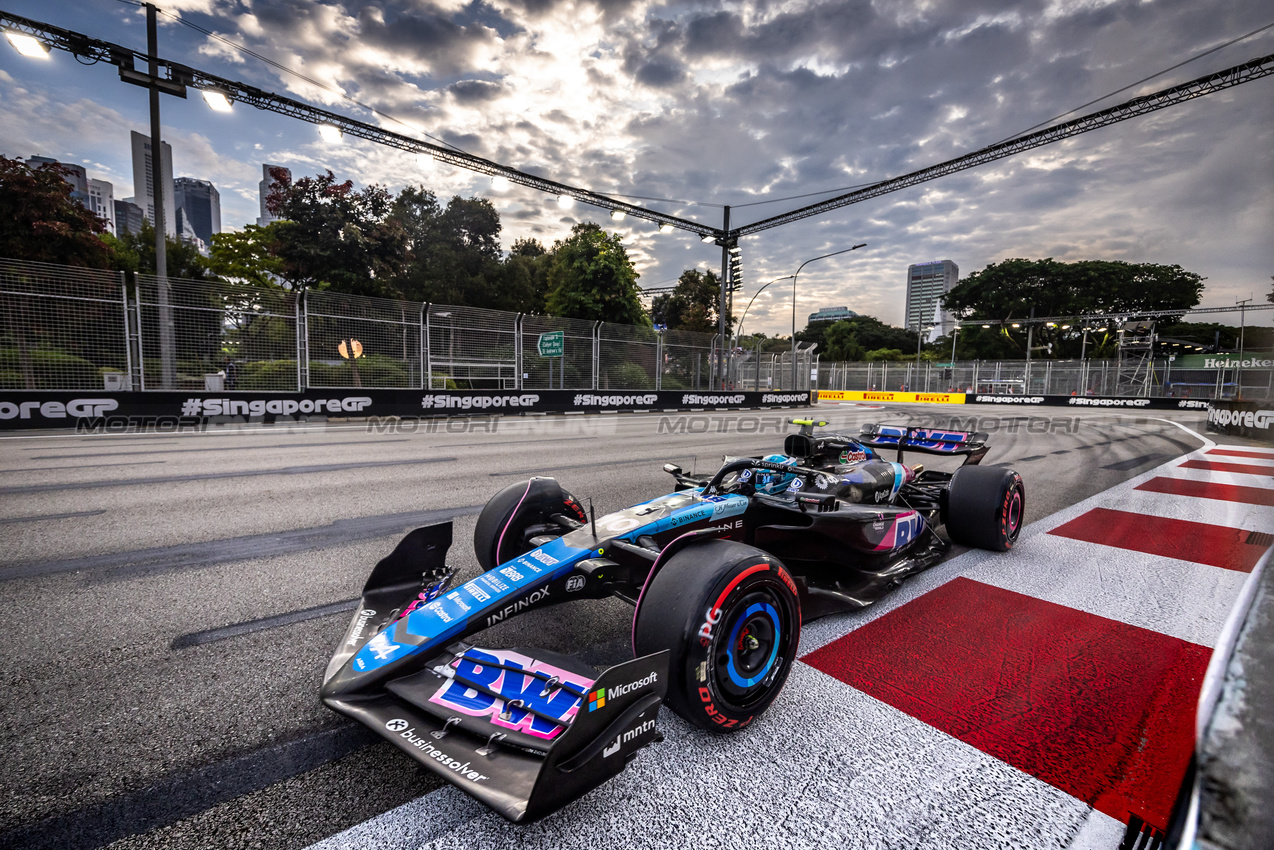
518	513
985	507
730	615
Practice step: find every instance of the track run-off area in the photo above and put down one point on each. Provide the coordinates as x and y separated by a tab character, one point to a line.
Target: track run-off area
171	601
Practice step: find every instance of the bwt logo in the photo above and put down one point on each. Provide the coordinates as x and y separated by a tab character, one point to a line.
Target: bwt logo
76	407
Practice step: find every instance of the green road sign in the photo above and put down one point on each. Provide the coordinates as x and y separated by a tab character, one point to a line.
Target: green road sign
551	344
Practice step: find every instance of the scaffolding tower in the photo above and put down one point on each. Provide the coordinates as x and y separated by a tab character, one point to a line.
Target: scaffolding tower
1136	372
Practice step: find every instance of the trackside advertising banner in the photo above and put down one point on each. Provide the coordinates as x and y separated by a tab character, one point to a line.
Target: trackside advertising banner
1014	400
1252	419
112	411
1118	402
882	395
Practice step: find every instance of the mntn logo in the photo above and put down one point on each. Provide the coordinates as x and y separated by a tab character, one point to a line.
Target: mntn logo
597	699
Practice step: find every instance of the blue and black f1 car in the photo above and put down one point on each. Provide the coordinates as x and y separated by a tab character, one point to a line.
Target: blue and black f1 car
721	573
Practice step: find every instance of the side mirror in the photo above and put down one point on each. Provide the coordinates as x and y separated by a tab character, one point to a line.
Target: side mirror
672	469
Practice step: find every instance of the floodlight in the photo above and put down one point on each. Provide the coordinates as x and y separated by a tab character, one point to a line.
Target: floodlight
665	228
618	215
565	201
499	183
26	45
216	100
331	135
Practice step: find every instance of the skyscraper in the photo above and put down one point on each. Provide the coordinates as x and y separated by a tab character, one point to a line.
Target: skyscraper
143	192
926	283
263	188
200	203
101	200
128	217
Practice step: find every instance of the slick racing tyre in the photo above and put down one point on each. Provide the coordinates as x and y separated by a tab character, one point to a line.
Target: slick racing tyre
731	616
985	506
518	513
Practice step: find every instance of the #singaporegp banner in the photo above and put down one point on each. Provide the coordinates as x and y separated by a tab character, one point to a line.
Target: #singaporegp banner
130	410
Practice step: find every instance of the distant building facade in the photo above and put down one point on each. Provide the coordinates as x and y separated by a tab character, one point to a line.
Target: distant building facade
926	283
199	208
101	200
75	175
143	188
128	217
832	314
263	189
98	196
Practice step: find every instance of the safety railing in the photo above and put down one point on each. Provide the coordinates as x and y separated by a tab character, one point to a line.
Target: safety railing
65	328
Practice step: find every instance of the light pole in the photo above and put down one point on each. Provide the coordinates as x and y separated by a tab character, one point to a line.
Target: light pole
739	331
921	330
798	271
1238	370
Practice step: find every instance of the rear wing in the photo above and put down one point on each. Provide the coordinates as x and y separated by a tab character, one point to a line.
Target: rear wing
971	444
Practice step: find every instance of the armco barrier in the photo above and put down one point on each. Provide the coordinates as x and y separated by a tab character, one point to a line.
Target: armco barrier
130	410
1252	419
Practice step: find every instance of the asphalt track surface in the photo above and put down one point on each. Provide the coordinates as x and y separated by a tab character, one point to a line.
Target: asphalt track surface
171	601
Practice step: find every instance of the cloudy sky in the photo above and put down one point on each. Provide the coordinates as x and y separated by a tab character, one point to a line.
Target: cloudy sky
700	104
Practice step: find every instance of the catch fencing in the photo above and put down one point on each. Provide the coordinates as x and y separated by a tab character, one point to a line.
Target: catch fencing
1156	378
64	328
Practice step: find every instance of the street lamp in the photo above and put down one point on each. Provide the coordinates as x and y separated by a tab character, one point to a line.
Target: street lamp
739	332
798	271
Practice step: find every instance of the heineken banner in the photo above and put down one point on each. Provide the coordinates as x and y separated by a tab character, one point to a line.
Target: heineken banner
98	411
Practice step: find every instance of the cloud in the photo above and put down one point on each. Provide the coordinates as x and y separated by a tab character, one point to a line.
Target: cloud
710	104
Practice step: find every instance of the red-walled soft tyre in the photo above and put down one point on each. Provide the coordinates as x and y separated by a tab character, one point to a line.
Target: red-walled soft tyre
731	616
985	507
511	517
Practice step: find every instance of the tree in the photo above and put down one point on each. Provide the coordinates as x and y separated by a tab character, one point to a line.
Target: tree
1009	289
693	304
453	251
135	252
525	276
332	235
247	255
852	339
40	221
592	278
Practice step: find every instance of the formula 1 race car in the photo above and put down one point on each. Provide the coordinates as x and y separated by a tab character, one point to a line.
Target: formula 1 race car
721	572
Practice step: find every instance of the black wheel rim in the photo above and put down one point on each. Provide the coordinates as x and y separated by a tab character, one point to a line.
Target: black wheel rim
1013	514
753	647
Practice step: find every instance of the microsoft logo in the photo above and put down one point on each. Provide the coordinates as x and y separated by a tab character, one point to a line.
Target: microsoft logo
597	699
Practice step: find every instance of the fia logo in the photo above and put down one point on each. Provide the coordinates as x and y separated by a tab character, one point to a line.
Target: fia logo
575	584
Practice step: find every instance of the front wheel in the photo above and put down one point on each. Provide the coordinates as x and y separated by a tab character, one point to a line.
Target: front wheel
513	517
730	614
985	507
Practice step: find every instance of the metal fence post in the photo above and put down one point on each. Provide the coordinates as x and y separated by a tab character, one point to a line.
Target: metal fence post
659	360
302	345
424	345
128	339
517	350
141	349
597	356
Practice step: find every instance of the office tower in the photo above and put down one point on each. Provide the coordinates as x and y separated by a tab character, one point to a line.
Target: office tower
926	283
263	188
143	194
200	203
